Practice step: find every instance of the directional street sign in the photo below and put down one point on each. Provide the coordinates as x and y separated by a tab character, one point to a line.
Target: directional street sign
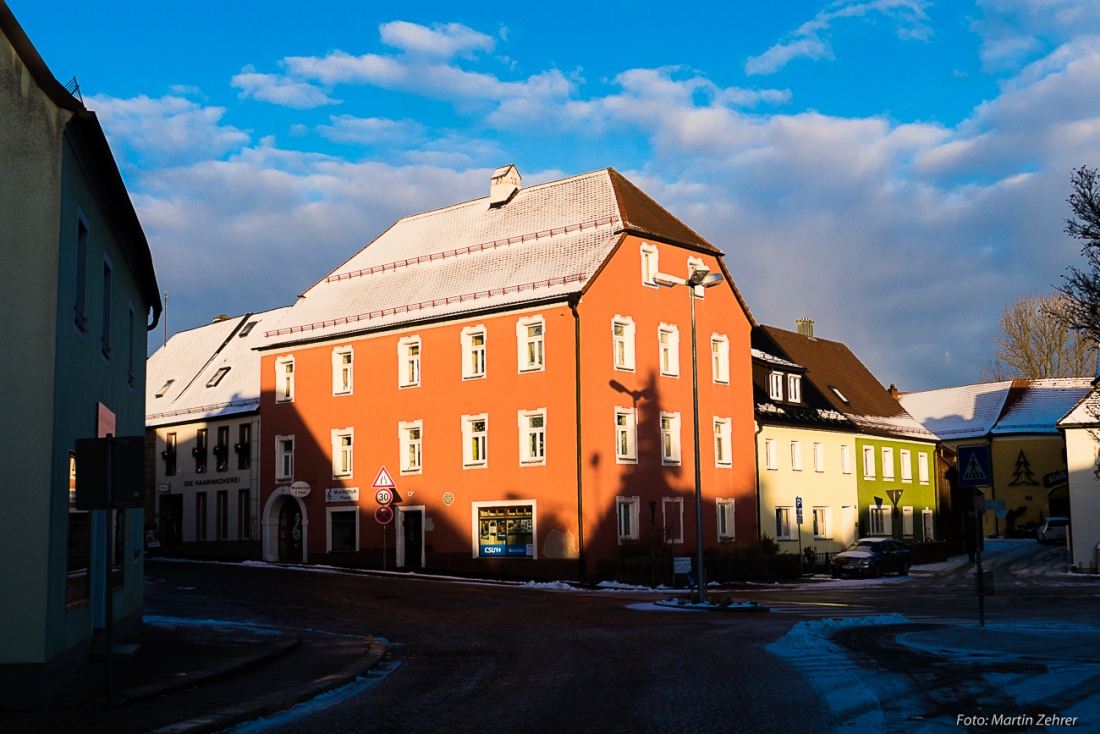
384	515
383	480
975	469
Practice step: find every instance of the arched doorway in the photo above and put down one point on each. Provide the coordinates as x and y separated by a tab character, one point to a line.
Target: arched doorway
285	528
1058	502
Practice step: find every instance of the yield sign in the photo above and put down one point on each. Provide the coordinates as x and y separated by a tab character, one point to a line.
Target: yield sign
383	480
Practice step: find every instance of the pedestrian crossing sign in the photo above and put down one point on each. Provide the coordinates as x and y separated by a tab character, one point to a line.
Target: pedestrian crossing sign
974	467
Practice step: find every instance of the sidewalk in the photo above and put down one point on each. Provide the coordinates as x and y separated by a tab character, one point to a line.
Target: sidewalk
192	676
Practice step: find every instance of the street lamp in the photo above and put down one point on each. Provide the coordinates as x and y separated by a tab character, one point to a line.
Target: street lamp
699	277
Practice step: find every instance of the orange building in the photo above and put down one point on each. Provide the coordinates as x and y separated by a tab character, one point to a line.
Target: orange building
514	366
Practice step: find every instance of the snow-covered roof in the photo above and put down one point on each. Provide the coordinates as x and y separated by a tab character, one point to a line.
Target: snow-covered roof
1085	414
772	359
1041	404
546	242
953	413
209	371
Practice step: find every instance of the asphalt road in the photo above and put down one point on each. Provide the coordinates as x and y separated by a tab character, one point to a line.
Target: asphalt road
477	657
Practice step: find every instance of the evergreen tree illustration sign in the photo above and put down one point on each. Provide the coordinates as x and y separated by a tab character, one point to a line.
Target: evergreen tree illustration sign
1022	474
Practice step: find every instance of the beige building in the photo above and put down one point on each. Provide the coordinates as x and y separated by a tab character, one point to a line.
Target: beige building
1081	427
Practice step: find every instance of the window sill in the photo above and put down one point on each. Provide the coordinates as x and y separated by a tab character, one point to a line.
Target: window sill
411	472
726	466
480	465
474	377
533	462
525	370
625	460
619	368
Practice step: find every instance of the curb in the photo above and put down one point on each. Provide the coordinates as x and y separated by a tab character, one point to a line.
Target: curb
281	700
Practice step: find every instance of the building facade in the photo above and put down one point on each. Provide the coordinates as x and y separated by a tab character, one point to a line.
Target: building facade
513	365
78	294
1081	427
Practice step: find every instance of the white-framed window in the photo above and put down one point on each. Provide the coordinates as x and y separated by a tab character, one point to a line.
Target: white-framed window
794	388
530	336
473	352
726	527
284	379
622	342
868	462
887	463
672	518
411	436
475	440
771	460
342	372
408	361
922	467
881	523
796	455
649	264
906	459
907	521
532	437
668	338
783	529
343	529
845	459
819	457
720	358
342	452
823	522
626	436
505	529
723	442
926	516
284	458
670	439
775	386
627	510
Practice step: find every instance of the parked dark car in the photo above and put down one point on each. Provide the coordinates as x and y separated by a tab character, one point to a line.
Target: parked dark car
871	557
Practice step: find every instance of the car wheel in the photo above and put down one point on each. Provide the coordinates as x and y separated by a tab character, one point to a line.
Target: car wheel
904	569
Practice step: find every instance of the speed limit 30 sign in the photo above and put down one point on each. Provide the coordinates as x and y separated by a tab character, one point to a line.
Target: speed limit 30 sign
383	496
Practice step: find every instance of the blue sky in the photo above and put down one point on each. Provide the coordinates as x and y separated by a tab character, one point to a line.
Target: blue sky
895	169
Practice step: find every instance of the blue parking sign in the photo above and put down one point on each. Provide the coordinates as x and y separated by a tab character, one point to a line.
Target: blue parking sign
975	468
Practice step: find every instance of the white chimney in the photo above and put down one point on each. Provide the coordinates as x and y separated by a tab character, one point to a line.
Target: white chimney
503	185
806	327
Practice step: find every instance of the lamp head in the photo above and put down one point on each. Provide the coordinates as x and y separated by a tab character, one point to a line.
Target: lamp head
698	273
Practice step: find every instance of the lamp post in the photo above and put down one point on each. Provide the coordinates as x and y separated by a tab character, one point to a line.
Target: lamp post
699	277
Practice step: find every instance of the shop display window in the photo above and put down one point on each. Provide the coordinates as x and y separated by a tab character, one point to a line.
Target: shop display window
506	531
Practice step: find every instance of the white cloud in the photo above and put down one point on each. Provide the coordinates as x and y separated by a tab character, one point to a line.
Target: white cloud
166	131
443	40
370	130
279	90
806	40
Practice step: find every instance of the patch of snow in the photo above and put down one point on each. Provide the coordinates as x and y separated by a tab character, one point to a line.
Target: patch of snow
552	585
649	606
160	621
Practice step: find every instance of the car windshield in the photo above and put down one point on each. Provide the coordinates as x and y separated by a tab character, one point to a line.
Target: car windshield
864	545
1057	522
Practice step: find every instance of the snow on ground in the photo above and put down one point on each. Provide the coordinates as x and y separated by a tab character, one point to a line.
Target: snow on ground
160	621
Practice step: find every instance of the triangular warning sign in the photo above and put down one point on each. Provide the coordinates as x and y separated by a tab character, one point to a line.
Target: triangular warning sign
974	471
383	480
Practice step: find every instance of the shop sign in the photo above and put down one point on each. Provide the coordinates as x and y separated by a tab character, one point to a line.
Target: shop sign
448	498
342	494
300	489
520	550
1055	477
215	480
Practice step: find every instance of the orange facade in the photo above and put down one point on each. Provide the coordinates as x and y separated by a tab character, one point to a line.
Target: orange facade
520	483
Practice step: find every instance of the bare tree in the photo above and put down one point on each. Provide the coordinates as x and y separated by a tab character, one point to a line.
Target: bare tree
1036	340
1081	286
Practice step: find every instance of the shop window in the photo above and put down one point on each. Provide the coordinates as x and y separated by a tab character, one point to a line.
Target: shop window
221	449
720	359
627	511
201	449
726	527
342	452
408	358
243	447
649	264
504	530
244	515
626	439
410	436
284	458
670	439
530	347
723	443
473	352
622	343
672	515
342	370
343	530
284	379
475	438
668	337
532	436
169	455
200	516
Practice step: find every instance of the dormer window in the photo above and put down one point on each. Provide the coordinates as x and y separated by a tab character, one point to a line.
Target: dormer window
775	386
164	390
839	394
794	388
222	372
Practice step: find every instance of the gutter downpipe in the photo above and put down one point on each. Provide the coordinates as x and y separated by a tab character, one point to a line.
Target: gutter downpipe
582	570
756	472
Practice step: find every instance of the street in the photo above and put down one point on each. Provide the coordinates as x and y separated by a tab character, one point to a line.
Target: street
465	655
